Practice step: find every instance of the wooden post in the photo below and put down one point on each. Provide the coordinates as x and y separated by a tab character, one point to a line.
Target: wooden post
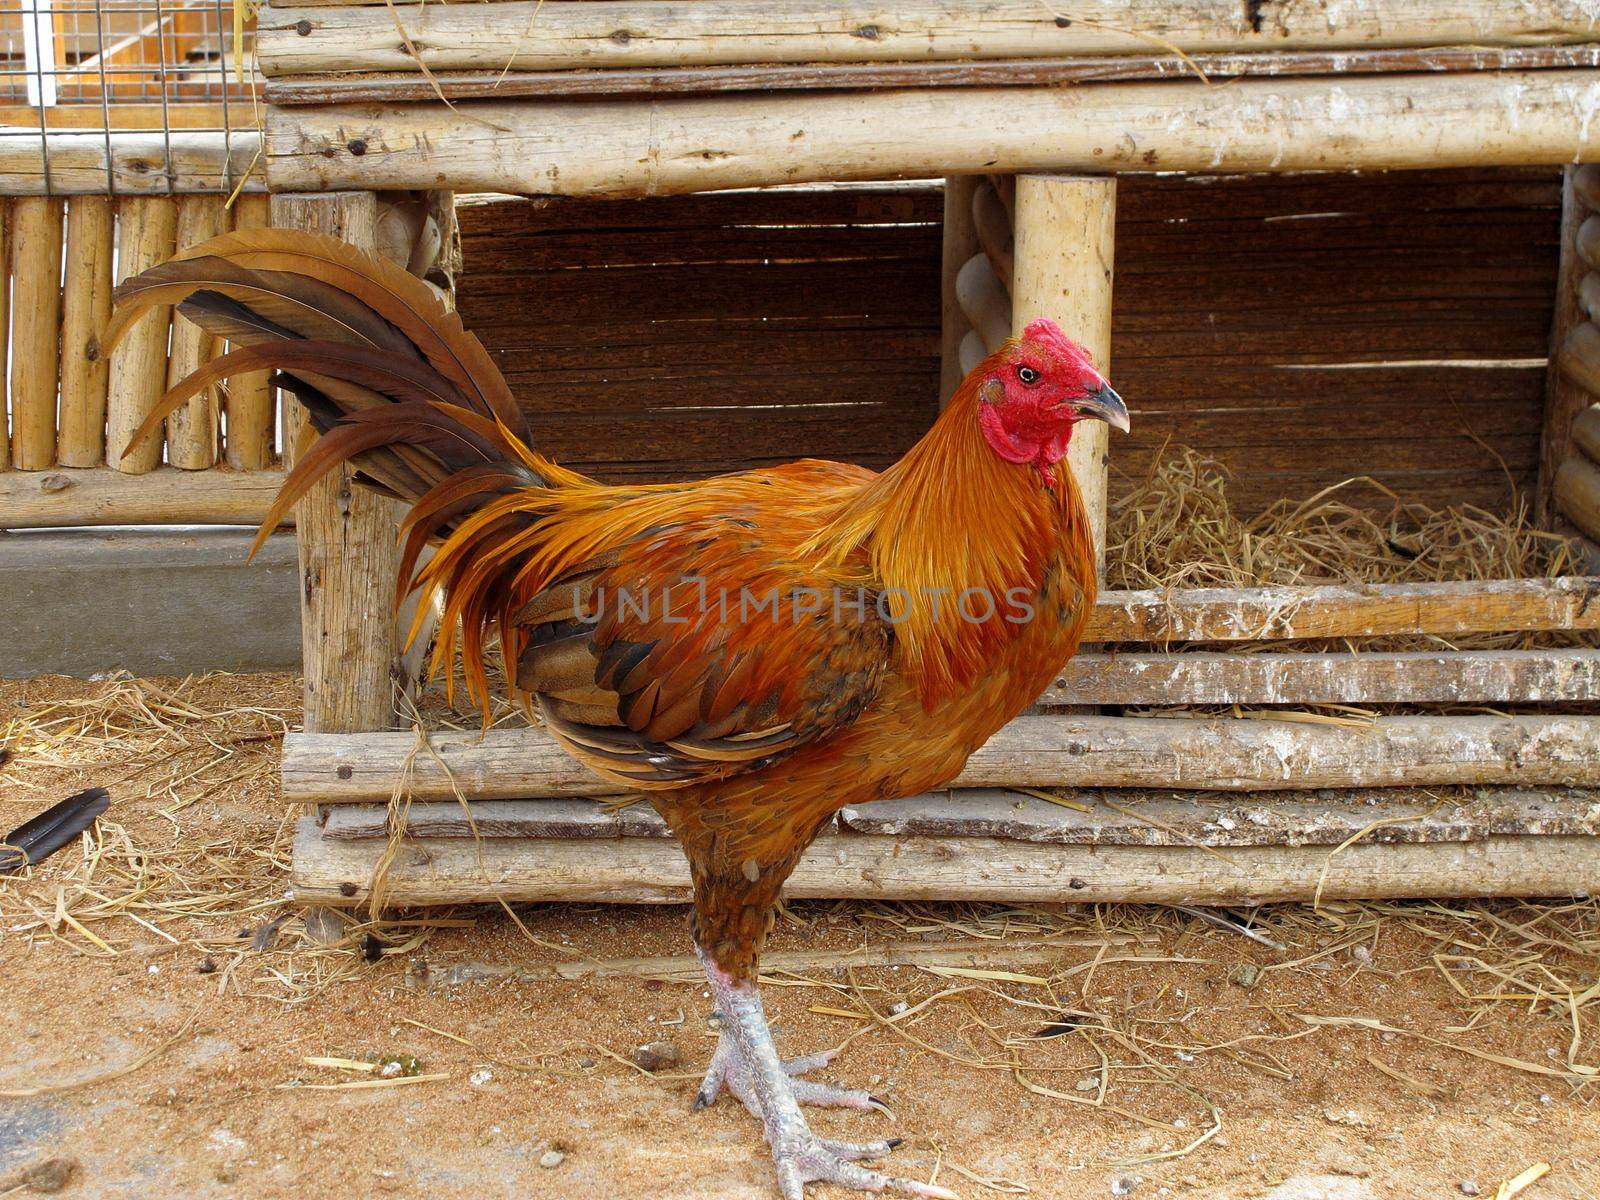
85	312
192	429
5	325
960	244
1065	230
348	552
1564	398
147	227
36	289
251	407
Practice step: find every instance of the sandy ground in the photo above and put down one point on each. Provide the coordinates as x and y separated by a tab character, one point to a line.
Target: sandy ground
158	1038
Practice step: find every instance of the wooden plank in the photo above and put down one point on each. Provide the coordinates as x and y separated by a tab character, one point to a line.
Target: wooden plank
529	35
86	311
860	866
1123	819
958	243
200	162
348	552
1049	751
1017	72
630	147
35	329
1417	677
106	496
153	603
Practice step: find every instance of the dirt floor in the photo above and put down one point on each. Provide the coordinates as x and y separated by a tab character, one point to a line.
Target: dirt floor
164	998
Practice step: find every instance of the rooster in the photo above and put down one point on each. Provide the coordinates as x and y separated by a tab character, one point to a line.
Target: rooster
752	652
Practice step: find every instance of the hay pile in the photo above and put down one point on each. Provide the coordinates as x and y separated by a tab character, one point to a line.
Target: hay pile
1179	528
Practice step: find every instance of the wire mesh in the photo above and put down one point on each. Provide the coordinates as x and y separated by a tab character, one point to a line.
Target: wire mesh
161	70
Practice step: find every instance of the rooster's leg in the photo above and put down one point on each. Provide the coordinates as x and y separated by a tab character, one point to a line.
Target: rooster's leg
747	1061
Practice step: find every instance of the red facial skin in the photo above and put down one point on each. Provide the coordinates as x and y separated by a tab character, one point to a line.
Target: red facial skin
1031	422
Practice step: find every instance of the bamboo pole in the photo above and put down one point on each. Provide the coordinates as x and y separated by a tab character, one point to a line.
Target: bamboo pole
655	147
553	34
1577	494
36	326
1078	751
86	310
1065	235
251	406
192	429
146	230
348	553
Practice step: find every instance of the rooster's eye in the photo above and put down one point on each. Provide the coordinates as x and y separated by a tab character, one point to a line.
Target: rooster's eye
1028	375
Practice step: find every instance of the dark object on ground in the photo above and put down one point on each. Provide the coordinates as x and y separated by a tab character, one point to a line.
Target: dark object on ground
36	840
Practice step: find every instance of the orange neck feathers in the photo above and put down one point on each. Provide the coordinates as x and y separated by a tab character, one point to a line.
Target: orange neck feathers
952	530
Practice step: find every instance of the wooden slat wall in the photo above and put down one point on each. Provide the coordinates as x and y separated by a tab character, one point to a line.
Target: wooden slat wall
669	338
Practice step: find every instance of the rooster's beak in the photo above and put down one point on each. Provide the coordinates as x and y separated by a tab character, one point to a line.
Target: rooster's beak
1105	404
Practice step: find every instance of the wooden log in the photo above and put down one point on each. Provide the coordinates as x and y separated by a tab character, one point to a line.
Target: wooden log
1577	494
1050	751
86	310
984	301
664	147
1586	432
1065	242
36	326
1574	368
348	553
528	35
192	429
1578	359
959	243
150	602
404	87
5	320
106	496
1418	677
200	162
653	871
252	409
992	220
1125	819
1586	183
1341	610
146	230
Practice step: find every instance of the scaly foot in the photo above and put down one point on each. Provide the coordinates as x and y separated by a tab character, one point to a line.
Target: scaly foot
747	1063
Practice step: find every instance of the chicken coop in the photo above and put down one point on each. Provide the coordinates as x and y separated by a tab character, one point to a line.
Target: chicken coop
1311	242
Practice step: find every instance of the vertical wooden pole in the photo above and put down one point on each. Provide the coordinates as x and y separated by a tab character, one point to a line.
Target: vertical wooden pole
1563	398
348	552
251	406
36	297
85	311
1065	229
960	244
146	229
5	323
192	429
